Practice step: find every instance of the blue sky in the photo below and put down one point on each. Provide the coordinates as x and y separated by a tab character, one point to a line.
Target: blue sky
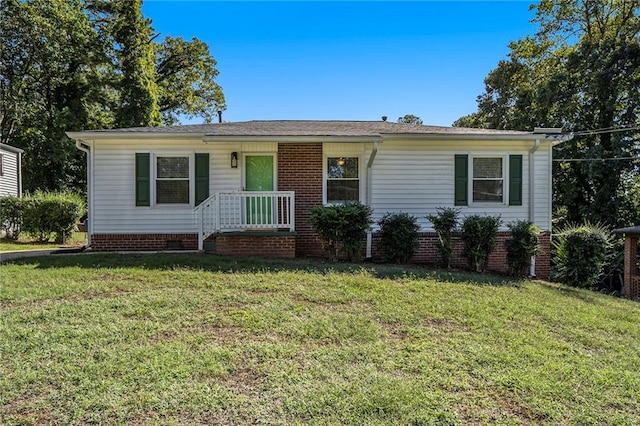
348	60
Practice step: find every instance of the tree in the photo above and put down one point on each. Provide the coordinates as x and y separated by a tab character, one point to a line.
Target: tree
45	65
135	56
580	71
90	64
410	119
185	75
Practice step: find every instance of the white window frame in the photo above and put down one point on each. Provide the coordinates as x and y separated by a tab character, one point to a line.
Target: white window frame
505	180
192	185
325	176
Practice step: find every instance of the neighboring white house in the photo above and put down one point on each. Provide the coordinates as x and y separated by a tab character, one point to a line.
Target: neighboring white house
146	186
10	171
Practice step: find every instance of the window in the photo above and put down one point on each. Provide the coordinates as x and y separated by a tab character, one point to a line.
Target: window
1	165
488	179
343	179
172	180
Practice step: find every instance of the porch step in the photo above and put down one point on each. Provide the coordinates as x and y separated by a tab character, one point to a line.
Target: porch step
253	244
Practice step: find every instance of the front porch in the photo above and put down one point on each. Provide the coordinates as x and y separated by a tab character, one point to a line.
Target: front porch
248	223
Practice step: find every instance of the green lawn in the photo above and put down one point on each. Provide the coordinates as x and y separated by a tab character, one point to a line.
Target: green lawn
25	243
200	339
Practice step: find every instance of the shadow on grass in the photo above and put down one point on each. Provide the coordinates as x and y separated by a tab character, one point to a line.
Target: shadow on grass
215	263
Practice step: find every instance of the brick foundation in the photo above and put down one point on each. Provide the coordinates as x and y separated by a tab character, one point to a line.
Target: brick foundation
143	242
260	245
428	253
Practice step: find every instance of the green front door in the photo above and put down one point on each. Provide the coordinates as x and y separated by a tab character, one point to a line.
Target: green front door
259	177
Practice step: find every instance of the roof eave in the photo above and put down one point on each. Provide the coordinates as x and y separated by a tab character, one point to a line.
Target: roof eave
10	148
462	136
90	135
289	138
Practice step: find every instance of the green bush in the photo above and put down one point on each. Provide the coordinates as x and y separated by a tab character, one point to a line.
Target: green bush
399	236
48	214
522	246
11	209
479	235
445	222
580	254
342	227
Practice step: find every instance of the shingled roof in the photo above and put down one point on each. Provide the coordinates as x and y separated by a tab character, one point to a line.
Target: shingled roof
332	128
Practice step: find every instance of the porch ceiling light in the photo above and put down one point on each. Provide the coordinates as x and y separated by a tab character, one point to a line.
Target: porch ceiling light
341	161
234	160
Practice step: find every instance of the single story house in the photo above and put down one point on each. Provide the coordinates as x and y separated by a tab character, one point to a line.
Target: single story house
246	188
10	171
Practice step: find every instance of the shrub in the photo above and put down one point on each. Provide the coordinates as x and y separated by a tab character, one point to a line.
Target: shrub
341	227
11	216
479	235
580	254
399	236
522	246
445	222
52	213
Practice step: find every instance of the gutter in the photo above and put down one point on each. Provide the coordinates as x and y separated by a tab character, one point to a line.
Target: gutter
372	157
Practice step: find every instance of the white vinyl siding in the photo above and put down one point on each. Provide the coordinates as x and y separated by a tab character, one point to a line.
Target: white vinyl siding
9	179
113	176
417	177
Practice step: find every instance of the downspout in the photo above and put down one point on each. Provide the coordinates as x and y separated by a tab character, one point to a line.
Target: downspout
88	223
532	151
372	157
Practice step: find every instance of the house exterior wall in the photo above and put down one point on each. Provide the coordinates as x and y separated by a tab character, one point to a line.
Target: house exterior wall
631	288
413	176
300	170
9	178
417	177
113	198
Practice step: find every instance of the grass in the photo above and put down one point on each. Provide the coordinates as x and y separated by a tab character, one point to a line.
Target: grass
25	243
200	339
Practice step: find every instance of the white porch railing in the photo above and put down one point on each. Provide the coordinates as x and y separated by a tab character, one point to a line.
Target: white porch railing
238	211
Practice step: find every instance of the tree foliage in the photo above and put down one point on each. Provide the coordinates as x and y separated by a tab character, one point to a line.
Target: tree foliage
580	71
410	119
80	64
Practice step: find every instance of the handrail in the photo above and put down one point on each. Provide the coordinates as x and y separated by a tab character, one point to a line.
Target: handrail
245	210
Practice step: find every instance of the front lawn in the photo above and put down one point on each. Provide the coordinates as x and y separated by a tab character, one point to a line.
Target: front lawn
25	243
200	339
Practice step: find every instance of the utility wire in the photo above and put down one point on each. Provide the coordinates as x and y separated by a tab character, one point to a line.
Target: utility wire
568	160
605	130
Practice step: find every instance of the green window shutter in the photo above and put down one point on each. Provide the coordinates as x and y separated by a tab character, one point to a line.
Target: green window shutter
143	179
515	180
202	177
461	180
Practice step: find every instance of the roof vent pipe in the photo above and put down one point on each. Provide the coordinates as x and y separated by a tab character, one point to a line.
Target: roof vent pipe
384	118
219	116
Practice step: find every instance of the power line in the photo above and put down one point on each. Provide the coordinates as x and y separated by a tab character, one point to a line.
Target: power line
605	130
570	160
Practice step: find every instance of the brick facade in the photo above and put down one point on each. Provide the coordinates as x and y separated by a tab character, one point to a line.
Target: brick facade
142	242
259	245
428	253
300	170
631	288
